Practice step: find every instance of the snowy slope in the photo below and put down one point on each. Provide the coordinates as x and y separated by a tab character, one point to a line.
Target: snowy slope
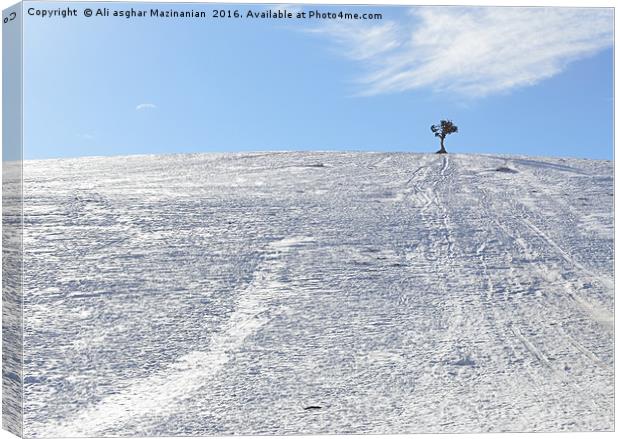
274	293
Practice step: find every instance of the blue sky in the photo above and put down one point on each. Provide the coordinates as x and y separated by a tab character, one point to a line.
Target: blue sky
528	81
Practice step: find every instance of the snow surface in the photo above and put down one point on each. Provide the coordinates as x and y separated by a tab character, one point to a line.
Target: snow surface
275	293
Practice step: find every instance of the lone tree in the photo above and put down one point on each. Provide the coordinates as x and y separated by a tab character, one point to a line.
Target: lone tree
444	128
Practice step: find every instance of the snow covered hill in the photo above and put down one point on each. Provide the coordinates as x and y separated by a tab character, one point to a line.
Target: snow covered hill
274	293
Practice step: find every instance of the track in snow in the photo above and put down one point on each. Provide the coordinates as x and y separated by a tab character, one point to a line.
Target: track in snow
225	293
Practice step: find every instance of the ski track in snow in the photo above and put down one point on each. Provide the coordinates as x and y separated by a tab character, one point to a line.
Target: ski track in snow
400	293
167	390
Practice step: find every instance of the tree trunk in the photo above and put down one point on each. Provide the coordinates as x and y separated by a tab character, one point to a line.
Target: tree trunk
443	149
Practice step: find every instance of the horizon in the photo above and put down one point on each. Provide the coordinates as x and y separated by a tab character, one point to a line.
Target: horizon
165	86
316	151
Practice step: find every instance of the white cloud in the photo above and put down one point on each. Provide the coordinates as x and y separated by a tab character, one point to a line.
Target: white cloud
363	42
473	51
145	107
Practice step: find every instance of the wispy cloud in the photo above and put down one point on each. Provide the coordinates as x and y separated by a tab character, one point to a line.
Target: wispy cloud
475	51
145	107
364	42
